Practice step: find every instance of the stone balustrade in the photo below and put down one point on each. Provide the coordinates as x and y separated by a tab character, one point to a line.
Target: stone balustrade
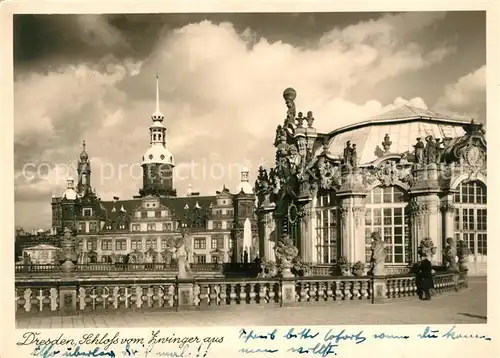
71	296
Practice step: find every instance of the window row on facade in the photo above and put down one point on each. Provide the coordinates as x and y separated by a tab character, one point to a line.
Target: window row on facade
199	243
386	213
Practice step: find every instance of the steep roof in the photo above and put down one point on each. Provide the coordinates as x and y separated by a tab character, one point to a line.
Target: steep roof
403	125
176	204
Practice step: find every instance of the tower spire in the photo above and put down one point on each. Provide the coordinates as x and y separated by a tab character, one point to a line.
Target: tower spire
157	116
157	94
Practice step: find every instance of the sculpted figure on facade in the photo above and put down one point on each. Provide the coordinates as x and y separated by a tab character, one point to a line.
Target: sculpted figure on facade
262	187
378	255
294	159
347	153
310	119
450	255
430	150
300	120
354	156
419	151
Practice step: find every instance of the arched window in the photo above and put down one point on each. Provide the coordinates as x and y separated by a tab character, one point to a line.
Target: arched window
327	228
470	216
385	213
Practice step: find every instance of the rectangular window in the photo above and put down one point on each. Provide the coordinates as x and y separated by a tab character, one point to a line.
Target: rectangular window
92	227
107	245
167	227
138	214
200	243
157	214
217	225
200	259
81	227
151	243
217	243
121	245
136	227
151	227
144	214
215	259
229	225
163	244
136	244
92	245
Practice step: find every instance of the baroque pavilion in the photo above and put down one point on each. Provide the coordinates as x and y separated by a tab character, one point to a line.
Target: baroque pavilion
408	174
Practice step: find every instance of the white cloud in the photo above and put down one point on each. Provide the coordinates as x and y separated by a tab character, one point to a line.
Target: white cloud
221	93
466	91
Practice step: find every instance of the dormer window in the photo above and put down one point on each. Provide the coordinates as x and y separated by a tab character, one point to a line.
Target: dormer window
87	212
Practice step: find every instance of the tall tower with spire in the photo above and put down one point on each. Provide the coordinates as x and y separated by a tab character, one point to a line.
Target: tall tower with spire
84	171
157	162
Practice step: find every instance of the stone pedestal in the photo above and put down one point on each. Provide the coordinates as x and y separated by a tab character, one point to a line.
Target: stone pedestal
287	292
379	289
185	294
67	299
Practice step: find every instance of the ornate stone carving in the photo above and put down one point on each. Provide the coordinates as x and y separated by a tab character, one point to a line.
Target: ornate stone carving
359	214
447	207
263	188
344	211
68	255
426	247
310	119
285	253
329	175
416	208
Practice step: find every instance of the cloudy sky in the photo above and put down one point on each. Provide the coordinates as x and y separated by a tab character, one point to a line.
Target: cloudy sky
221	81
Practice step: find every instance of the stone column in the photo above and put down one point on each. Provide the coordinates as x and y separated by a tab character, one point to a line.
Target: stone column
352	210
425	209
306	233
359	240
267	233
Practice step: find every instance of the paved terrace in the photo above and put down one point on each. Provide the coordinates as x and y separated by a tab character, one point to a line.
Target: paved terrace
468	306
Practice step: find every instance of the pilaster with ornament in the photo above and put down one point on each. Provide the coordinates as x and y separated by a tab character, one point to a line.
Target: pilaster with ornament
447	209
417	212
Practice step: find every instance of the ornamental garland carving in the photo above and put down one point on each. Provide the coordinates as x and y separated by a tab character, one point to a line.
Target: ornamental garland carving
387	173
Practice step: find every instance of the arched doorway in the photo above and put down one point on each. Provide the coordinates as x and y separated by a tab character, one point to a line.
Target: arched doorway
470	223
386	213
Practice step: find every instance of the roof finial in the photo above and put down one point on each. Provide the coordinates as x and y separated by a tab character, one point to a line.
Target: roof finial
83	144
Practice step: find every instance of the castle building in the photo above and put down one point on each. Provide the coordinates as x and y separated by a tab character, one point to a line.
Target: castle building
409	174
145	227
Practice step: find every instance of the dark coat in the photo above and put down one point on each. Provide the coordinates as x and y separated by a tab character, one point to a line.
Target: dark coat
424	275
